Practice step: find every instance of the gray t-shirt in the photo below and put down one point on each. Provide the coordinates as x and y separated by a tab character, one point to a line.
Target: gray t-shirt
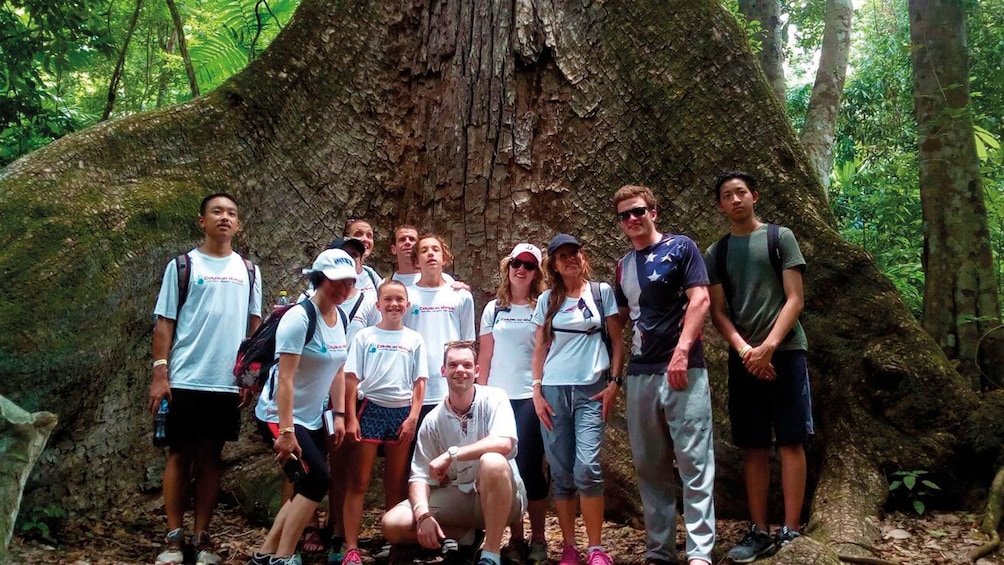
757	293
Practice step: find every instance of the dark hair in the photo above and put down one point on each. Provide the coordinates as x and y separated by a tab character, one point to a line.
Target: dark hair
558	292
316	279
468	344
206	200
747	178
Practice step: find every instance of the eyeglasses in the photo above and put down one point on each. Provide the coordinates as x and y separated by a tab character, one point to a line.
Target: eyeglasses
637	212
528	265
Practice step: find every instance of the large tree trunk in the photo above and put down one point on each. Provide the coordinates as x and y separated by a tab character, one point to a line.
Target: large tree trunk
771	55
820	124
961	303
490	122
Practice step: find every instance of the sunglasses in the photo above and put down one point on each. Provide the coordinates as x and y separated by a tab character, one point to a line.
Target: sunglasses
636	212
528	265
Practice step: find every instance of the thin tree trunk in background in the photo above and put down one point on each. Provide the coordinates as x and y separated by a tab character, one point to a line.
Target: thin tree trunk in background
961	300
113	86
771	56
820	125
164	79
183	47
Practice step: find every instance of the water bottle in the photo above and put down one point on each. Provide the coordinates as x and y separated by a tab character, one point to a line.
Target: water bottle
283	298
160	424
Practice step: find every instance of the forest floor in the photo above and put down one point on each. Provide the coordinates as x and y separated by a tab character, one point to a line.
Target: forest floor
132	537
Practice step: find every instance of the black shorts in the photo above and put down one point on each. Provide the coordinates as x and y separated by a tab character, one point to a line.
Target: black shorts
782	406
197	415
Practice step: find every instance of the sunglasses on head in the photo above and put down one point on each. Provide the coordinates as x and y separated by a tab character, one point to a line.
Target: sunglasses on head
637	212
528	265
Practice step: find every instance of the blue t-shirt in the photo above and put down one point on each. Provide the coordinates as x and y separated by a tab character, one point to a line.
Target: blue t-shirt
653	283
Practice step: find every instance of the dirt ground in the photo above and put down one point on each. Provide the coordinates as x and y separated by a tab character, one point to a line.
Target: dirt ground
133	536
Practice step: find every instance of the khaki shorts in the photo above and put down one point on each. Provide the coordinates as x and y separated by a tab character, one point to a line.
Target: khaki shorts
454	507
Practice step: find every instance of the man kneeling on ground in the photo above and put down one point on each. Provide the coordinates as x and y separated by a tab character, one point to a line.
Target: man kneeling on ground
463	476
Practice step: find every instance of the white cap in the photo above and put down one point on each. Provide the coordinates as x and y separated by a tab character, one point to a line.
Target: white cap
522	248
335	264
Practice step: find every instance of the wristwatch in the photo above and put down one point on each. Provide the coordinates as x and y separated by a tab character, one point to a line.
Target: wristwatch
453	451
619	380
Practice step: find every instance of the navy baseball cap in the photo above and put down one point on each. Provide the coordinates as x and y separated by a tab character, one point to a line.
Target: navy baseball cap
348	243
559	240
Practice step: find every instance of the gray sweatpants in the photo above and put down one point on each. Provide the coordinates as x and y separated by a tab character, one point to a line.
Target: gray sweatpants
663	423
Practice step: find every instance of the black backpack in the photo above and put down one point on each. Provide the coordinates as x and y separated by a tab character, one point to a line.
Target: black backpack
256	355
594	289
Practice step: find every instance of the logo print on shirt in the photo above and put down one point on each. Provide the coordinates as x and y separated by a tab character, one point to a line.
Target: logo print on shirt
415	311
200	281
373	349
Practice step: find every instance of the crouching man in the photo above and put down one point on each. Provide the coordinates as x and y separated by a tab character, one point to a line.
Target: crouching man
463	476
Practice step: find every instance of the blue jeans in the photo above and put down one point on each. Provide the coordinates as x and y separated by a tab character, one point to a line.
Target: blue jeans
662	424
573	445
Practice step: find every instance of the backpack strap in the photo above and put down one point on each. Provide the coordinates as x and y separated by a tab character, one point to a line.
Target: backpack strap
311	321
594	287
721	262
355	308
251	279
774	250
499	311
183	263
372	275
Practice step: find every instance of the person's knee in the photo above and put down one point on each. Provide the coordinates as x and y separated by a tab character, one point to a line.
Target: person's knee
494	466
395	524
589	479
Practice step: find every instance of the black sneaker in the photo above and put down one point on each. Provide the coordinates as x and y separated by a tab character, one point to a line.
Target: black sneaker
754	545
785	535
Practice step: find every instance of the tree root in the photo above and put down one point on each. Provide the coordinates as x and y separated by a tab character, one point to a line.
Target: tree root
866	560
992	520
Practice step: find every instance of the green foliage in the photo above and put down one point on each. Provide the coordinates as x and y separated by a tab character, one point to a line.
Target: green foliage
41	522
909	488
752	28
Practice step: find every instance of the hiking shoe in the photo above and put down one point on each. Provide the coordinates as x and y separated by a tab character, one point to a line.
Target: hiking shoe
569	556
291	560
538	552
754	545
599	557
337	552
516	551
352	557
785	536
174	548
204	554
260	559
384	553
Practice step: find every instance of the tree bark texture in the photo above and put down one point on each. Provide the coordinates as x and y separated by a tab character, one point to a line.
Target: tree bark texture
488	122
820	126
961	301
771	55
22	437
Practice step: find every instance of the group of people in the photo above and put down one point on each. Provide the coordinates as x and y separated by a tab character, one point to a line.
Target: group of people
477	427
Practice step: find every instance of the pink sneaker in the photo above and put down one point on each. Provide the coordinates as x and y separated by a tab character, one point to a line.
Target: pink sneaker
569	556
352	557
599	557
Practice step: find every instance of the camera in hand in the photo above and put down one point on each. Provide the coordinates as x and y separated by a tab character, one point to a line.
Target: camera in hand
294	469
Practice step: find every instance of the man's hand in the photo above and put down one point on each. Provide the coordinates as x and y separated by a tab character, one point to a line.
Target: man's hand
286	445
757	362
676	372
439	467
608	395
429	533
458	285
160	388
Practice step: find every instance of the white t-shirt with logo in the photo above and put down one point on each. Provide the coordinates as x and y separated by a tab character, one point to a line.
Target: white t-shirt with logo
513	332
575	358
320	360
441	315
365	280
213	321
412	278
387	364
366	314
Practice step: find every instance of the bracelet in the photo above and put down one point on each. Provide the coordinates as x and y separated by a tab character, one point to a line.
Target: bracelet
746	348
536	382
289	430
336	413
159	362
423	517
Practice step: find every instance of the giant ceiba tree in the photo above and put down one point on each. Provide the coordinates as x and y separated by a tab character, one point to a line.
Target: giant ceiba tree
491	122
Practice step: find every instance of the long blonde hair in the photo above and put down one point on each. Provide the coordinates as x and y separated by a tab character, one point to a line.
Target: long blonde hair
504	291
558	293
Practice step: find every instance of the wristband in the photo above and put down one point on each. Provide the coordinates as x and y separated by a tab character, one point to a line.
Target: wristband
536	382
618	380
289	430
746	348
337	413
159	362
423	517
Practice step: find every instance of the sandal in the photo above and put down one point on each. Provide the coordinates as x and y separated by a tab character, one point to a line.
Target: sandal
311	541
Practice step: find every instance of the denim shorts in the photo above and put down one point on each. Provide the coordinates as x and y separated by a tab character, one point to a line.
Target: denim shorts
573	445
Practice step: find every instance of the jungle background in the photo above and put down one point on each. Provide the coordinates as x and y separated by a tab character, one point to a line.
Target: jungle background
72	65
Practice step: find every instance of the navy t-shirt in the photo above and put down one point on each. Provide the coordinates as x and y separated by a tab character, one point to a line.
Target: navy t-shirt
653	283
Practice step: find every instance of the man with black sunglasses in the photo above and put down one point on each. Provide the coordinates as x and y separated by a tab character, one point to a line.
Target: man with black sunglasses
662	286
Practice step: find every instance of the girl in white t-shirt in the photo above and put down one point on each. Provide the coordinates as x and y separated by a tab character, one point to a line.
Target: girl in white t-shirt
387	362
570	395
506	353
